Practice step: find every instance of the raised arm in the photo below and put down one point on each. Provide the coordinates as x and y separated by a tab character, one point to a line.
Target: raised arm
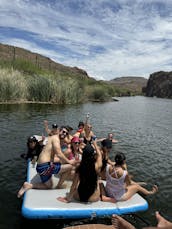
87	118
46	127
98	163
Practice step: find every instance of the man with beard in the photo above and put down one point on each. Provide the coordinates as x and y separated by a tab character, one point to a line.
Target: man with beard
49	163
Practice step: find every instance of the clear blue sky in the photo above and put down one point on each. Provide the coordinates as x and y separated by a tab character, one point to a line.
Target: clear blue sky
107	38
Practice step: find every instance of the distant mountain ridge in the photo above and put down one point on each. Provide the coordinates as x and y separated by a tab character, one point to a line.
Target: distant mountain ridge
132	83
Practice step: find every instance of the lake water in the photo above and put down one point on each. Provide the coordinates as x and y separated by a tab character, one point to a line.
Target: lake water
142	125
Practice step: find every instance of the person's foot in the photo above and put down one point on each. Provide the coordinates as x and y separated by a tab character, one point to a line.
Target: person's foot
63	199
26	186
162	222
120	223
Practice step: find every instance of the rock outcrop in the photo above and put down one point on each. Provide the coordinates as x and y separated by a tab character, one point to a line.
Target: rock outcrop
160	85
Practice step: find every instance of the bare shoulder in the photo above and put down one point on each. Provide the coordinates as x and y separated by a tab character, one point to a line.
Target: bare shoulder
54	138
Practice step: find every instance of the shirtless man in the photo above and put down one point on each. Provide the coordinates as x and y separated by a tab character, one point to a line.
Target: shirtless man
52	131
46	166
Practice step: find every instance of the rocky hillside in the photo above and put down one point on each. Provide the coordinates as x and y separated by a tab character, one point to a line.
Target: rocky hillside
159	85
131	83
11	53
30	63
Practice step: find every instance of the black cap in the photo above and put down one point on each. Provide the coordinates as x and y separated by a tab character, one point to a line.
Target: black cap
107	143
54	126
32	139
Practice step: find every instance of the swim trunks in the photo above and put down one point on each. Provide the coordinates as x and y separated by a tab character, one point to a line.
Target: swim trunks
46	170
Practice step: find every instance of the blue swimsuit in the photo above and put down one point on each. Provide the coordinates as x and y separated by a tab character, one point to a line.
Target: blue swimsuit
46	170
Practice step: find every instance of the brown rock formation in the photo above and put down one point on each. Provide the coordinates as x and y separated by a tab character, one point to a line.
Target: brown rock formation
159	85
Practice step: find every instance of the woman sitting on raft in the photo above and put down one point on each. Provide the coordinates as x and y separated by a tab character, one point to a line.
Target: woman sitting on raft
118	184
85	186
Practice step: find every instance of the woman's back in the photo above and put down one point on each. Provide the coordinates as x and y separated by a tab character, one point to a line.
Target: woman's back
115	181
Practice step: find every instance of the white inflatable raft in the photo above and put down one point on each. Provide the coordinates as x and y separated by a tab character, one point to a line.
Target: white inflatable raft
43	204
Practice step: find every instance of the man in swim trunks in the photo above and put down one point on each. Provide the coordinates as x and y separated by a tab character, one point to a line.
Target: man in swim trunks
46	165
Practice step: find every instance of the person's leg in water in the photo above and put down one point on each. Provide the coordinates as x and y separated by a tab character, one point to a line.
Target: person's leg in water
162	222
120	223
134	188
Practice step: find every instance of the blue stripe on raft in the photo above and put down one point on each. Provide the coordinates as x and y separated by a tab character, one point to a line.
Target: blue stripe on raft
76	214
67	213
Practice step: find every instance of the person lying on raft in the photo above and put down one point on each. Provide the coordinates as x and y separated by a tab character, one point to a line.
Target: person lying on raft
118	186
85	186
46	165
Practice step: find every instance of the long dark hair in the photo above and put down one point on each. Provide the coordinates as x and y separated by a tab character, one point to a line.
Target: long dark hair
87	174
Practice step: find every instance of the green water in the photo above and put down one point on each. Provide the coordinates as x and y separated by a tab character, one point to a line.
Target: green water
142	125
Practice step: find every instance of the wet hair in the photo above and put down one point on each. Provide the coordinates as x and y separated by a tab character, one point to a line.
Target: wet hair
35	151
107	143
87	174
63	127
69	128
81	124
120	158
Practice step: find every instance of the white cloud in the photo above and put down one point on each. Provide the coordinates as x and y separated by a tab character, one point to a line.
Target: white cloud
106	38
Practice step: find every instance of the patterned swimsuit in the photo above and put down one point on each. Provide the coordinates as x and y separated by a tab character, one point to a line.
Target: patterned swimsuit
115	187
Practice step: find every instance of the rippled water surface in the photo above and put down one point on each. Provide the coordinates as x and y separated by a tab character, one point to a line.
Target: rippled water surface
142	125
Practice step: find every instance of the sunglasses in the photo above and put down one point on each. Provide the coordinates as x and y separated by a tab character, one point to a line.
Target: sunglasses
76	143
65	132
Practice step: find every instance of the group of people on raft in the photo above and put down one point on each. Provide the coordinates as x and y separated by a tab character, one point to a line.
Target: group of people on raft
85	160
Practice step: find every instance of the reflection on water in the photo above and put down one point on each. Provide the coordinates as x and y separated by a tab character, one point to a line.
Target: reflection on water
142	126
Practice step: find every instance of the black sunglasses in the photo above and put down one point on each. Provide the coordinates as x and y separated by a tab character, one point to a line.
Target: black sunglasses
65	132
76	143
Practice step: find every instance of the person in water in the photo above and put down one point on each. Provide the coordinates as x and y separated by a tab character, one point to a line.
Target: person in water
110	136
34	148
46	166
85	186
118	184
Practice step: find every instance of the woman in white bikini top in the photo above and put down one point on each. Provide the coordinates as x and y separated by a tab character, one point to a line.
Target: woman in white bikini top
115	186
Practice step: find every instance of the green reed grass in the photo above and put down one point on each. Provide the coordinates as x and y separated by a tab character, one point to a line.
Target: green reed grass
12	85
21	80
